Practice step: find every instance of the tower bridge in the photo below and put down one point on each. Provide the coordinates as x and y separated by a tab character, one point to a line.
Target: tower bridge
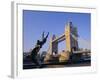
70	36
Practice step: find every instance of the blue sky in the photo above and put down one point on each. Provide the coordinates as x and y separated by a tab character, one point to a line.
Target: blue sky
35	22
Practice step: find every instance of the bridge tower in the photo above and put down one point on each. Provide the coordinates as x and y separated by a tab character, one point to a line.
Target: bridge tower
53	45
71	37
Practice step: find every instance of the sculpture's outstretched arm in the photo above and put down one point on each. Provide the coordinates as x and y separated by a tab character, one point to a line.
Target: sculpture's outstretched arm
43	35
47	35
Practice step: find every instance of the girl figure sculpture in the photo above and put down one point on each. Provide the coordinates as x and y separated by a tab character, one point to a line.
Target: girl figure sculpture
37	48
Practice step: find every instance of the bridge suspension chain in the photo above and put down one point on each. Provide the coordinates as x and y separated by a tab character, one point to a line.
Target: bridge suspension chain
81	40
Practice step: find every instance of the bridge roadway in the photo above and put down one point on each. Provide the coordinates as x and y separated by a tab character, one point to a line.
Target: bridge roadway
80	52
65	64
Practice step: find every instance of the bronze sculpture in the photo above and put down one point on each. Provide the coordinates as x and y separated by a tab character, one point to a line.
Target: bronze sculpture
37	48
